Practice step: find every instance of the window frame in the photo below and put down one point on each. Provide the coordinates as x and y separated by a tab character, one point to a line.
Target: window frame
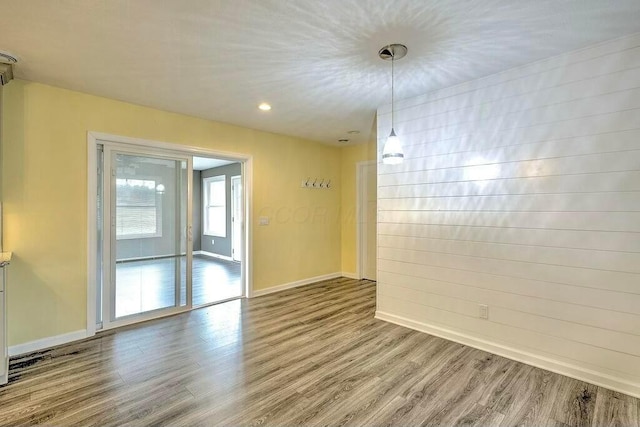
206	231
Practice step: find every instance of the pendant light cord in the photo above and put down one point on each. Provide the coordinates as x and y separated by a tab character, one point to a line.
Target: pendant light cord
393	58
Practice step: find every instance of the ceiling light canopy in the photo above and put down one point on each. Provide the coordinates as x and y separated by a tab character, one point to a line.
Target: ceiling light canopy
7	58
6	67
392	153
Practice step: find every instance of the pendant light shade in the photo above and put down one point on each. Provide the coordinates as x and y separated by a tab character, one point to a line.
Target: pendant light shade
392	153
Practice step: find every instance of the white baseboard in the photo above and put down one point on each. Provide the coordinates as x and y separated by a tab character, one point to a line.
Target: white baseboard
350	275
43	343
31	346
619	384
279	288
212	255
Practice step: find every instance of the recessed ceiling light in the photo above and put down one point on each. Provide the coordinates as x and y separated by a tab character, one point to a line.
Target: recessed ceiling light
353	132
264	106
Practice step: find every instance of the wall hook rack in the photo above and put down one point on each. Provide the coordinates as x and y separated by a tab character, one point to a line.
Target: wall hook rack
317	183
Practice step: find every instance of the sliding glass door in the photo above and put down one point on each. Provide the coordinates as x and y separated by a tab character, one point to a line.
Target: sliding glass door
149	255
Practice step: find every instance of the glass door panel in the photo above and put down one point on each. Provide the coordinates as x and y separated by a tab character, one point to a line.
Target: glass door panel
149	199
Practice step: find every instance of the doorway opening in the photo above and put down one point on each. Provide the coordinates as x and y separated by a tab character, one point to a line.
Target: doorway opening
167	230
367	216
217	230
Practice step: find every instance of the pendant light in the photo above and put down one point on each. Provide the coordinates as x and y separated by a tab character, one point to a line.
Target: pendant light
392	153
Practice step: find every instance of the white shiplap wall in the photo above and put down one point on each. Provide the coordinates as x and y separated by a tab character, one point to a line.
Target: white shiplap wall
521	191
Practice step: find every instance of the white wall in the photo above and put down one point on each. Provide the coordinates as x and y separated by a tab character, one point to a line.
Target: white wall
522	191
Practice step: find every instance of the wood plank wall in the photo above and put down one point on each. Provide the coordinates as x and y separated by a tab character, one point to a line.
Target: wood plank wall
521	191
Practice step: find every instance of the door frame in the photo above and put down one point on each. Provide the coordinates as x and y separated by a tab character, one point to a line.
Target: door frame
96	138
361	234
233	221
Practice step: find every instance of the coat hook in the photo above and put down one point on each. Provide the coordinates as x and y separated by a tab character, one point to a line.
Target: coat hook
314	182
328	184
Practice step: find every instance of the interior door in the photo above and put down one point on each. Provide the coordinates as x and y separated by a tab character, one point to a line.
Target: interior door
236	218
149	255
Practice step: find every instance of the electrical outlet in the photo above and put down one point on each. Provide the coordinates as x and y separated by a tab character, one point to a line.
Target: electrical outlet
483	311
213	242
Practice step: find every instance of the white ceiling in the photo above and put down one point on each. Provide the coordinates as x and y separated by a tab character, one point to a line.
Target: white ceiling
204	163
315	61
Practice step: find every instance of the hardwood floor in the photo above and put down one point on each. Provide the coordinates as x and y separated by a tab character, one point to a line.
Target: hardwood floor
150	284
307	356
215	280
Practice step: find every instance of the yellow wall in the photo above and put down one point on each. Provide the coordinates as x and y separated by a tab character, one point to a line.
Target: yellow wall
44	176
351	155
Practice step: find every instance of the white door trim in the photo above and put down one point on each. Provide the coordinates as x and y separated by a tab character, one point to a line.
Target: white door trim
361	235
234	179
92	233
93	139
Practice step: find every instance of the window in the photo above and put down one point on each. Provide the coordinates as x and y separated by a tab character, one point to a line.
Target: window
138	208
215	206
